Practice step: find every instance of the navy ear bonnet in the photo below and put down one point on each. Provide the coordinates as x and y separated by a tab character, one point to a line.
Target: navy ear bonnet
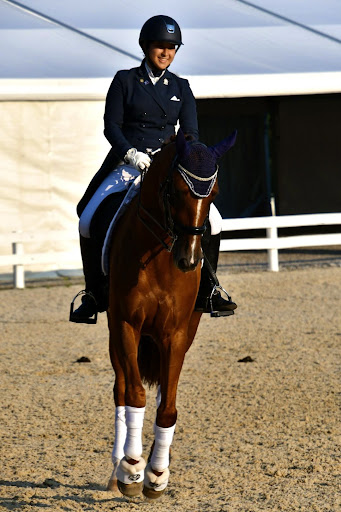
197	162
198	168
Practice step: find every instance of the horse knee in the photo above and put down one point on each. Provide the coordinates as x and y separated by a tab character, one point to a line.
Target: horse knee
166	418
135	396
119	391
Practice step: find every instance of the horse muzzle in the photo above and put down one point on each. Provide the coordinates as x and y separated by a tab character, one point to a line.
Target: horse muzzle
187	253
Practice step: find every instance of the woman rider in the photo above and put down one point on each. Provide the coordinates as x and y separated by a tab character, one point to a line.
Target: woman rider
143	105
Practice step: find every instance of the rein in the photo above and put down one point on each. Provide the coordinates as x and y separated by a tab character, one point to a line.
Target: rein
172	228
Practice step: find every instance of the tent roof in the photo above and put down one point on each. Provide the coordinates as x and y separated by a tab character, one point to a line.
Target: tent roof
231	47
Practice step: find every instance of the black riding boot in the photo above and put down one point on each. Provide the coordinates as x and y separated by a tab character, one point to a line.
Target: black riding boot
209	299
95	295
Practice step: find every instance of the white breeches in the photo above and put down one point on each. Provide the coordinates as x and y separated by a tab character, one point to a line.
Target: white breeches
118	180
215	220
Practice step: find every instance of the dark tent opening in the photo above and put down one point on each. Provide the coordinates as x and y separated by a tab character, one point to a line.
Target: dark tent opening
288	147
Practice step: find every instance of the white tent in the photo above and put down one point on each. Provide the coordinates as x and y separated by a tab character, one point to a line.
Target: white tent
231	47
58	59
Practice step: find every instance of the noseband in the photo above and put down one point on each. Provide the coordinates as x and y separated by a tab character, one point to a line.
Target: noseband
172	227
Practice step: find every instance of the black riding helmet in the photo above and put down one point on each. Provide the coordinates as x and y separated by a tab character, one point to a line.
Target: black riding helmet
160	28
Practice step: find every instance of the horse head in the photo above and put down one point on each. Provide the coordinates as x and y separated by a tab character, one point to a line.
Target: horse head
194	187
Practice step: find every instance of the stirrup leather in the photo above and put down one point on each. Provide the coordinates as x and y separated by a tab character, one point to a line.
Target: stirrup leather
93	319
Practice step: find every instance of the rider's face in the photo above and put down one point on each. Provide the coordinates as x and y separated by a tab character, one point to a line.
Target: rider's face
161	54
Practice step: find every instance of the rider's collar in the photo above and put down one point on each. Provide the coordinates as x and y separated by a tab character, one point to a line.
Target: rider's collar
153	78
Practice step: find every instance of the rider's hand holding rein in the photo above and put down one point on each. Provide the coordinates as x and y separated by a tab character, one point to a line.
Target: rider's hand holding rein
137	159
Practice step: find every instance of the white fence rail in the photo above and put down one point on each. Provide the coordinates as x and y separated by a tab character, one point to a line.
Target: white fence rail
272	243
19	259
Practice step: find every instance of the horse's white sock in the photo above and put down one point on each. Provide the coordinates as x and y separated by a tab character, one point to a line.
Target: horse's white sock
163	440
120	433
134	422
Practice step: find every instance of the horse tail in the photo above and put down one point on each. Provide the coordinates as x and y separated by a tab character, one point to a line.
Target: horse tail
149	361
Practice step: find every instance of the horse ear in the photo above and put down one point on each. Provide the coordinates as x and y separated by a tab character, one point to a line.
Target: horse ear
222	147
181	144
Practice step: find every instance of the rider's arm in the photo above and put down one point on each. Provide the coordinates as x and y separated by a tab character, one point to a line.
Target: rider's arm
113	121
188	119
114	117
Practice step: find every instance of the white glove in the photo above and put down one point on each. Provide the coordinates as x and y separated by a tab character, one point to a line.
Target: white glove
139	160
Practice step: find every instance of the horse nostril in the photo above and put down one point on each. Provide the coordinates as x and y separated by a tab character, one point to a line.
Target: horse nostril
185	266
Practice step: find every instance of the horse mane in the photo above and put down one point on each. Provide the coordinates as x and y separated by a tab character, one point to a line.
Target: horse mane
172	138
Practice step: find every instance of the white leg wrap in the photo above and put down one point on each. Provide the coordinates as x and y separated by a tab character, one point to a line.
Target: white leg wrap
215	220
163	440
134	422
120	433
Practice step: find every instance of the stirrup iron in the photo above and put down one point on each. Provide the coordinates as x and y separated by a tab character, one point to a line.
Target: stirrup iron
93	319
219	313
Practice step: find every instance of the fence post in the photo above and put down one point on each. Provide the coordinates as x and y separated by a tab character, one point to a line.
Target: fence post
18	270
272	234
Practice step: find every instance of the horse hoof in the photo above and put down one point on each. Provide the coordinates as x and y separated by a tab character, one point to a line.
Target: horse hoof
130	490
151	493
112	485
155	486
130	477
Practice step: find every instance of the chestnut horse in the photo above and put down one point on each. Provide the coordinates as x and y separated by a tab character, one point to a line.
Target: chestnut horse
155	264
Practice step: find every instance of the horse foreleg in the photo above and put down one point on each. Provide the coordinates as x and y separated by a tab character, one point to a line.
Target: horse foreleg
118	451
120	420
157	472
130	470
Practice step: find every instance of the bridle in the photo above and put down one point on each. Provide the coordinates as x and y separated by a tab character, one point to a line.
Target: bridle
172	228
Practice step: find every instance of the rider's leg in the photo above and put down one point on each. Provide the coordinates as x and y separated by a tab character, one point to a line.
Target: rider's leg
95	299
96	283
210	245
